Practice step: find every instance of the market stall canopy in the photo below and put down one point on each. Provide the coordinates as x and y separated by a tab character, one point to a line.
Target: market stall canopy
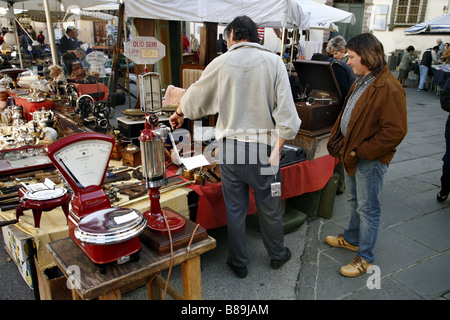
39	16
55	5
269	13
438	25
324	16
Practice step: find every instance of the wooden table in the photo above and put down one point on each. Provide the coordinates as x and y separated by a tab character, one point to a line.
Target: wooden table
91	284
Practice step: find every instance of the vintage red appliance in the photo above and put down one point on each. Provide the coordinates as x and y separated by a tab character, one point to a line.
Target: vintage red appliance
153	160
104	233
44	196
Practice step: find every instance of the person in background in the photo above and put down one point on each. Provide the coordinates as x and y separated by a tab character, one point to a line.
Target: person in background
69	41
446	54
195	46
441	47
26	42
186	45
405	65
32	32
40	37
429	57
336	47
445	177
67	45
248	87
221	44
365	136
80	53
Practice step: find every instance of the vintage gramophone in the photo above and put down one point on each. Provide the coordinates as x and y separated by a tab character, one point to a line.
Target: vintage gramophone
105	234
152	153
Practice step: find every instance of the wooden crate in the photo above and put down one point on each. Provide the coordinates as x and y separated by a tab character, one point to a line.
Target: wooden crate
314	146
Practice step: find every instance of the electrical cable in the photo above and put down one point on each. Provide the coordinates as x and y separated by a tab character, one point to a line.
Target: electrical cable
171	254
188	249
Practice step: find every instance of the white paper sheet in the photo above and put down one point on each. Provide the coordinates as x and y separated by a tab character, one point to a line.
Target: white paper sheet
195	162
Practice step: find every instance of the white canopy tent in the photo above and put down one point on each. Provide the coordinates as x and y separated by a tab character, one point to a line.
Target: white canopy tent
438	25
324	16
269	13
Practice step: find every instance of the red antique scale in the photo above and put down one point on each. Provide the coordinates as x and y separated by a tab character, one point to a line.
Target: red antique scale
104	233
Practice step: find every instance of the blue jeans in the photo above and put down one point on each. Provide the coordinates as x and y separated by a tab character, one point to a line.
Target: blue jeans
363	190
423	76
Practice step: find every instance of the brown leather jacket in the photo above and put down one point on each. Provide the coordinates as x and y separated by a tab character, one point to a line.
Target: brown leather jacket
377	126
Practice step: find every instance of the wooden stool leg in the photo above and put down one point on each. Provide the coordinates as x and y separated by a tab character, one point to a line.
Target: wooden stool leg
153	290
19	211
192	279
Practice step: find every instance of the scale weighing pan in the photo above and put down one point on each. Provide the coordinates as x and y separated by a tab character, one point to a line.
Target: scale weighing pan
83	159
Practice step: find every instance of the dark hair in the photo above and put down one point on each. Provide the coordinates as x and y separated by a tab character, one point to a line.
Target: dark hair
243	29
320	57
370	49
410	48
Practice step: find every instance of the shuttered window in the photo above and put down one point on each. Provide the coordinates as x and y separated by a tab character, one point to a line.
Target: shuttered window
407	13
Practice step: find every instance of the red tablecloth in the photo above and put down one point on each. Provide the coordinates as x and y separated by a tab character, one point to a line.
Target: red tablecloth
297	179
30	107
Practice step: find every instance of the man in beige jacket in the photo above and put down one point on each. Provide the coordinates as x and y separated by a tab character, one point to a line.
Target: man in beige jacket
248	87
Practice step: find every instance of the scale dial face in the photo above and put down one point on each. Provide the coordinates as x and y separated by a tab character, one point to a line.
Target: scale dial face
150	92
85	161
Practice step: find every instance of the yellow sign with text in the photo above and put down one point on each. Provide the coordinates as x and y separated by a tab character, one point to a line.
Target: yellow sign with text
149	53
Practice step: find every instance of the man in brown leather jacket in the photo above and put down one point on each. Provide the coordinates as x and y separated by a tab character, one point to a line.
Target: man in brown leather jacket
370	127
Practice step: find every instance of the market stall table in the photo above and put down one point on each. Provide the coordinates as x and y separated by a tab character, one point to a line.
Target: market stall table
88	283
53	226
440	74
297	179
29	107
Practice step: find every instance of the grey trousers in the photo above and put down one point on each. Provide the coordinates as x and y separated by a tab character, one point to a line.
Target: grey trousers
240	171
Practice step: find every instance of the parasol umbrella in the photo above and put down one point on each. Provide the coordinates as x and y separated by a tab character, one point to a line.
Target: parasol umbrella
438	25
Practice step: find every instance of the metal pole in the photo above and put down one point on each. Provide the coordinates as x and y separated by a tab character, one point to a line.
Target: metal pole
127	78
51	33
282	42
16	30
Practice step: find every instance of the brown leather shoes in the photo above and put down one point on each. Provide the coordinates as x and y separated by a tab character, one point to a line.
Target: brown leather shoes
340	242
357	267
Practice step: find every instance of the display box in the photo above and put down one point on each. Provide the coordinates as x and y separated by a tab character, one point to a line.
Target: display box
314	146
320	99
17	244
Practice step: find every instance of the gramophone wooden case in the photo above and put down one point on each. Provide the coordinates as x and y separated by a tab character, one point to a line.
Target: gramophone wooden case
320	99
